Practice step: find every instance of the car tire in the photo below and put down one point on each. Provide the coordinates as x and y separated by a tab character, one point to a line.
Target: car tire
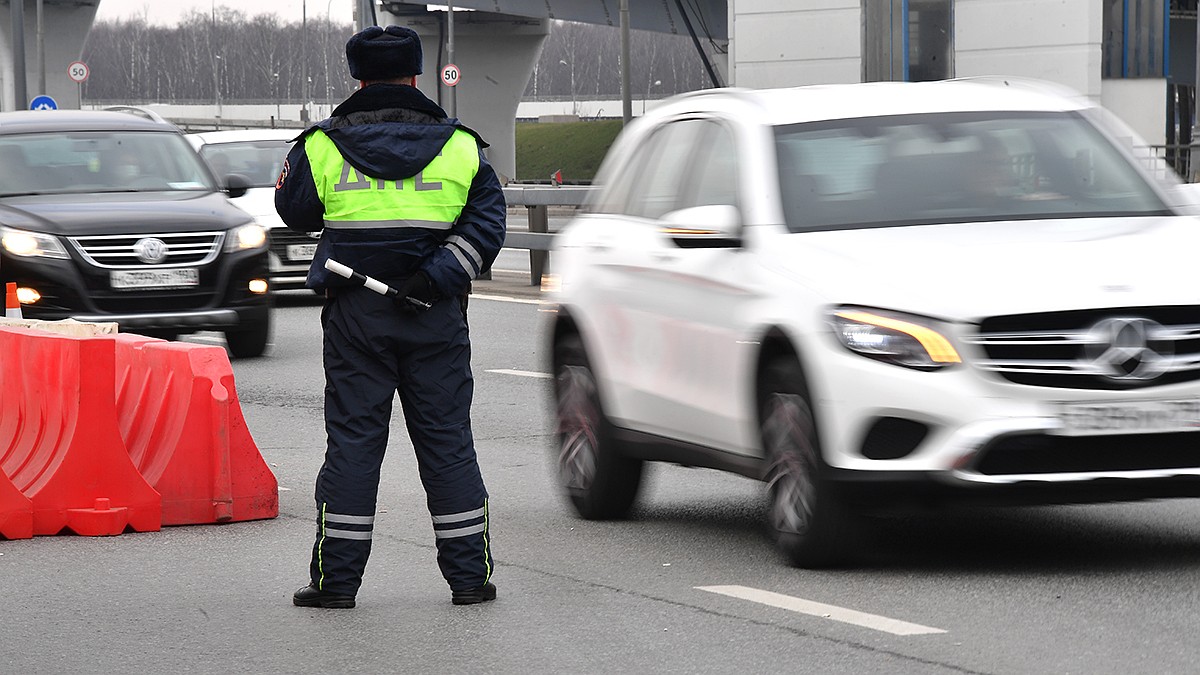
809	521
249	342
598	479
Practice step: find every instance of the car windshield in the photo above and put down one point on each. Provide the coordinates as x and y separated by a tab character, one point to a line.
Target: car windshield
99	161
945	168
259	161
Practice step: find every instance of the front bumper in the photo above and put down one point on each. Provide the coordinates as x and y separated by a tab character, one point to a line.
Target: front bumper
978	436
217	319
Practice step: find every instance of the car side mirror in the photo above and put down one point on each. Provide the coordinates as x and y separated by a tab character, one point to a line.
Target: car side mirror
236	185
711	226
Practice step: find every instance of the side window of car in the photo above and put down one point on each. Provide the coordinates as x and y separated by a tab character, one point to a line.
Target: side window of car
714	171
661	174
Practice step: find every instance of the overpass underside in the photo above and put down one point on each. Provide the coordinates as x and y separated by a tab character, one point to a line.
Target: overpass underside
709	17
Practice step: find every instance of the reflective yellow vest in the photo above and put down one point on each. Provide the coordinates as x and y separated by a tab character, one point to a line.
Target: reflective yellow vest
432	199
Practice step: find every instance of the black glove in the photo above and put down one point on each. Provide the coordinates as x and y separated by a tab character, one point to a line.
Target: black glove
416	293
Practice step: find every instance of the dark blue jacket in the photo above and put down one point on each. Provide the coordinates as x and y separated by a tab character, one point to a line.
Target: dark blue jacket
392	131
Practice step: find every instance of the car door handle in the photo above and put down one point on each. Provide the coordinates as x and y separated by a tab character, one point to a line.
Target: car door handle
599	246
665	257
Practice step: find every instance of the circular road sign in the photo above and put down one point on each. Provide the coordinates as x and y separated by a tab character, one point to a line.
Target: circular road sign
450	74
78	71
43	102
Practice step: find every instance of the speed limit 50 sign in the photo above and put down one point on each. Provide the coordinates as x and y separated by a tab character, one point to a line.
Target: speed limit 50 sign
450	75
78	71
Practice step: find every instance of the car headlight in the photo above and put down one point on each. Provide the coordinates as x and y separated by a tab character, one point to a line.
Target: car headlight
902	340
31	244
244	237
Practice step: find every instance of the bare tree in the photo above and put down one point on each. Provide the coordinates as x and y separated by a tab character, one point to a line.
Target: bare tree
223	54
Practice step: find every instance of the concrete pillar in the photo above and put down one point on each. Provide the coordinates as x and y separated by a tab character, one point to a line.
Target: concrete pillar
66	25
496	54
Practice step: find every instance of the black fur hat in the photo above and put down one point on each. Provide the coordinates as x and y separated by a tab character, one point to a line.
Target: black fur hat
376	53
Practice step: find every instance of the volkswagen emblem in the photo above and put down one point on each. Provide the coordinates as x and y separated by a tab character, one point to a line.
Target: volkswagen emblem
150	250
1128	349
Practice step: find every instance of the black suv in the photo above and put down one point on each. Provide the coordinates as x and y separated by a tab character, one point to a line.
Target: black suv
109	216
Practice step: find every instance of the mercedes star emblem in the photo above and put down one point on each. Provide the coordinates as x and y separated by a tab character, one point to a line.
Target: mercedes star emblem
1128	349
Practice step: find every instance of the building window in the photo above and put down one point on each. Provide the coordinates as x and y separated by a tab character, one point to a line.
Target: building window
910	40
1135	42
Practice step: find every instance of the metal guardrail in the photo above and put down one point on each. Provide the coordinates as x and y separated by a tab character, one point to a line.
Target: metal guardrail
537	199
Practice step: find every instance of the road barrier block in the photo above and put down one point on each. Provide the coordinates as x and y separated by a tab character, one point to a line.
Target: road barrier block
178	411
58	432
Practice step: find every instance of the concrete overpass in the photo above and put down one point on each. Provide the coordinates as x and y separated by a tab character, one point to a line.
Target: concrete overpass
495	47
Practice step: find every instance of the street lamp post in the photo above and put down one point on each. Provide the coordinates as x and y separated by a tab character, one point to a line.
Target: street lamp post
217	85
574	104
275	83
304	61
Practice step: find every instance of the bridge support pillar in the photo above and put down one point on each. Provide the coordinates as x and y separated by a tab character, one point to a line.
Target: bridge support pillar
65	25
496	54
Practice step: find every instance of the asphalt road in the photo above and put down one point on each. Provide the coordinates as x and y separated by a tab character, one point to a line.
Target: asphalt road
689	585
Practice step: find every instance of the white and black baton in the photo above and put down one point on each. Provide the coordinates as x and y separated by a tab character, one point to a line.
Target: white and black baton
371	283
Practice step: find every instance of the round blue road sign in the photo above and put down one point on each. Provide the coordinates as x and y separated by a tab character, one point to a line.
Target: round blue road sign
43	102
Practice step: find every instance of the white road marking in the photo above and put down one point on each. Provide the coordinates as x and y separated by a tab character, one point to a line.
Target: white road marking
505	298
817	609
522	373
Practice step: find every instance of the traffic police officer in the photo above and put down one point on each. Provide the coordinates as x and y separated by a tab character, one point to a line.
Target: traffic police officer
404	195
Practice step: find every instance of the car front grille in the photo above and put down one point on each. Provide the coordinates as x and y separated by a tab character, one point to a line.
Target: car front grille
1115	349
282	237
120	251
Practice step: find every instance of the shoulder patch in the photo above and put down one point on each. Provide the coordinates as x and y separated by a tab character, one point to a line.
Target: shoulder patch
283	173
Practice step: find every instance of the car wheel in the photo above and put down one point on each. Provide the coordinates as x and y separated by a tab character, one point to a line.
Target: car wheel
808	520
249	342
599	480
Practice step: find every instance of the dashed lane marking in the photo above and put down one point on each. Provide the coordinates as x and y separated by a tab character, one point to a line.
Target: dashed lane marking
821	610
521	373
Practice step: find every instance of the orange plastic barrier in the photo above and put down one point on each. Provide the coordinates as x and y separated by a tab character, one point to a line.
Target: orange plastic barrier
178	411
59	437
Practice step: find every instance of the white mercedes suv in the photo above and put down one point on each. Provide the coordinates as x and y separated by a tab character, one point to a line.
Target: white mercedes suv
880	295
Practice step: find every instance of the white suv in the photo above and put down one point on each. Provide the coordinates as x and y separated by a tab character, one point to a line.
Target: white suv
876	295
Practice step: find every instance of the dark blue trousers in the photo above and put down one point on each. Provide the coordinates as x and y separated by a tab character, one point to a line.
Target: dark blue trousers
372	351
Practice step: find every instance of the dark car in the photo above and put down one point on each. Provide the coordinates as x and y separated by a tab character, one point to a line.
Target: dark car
107	216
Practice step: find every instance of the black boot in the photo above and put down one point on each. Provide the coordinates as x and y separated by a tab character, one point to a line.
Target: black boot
309	596
474	596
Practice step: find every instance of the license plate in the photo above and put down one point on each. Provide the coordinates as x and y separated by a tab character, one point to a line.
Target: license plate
301	251
1125	417
143	279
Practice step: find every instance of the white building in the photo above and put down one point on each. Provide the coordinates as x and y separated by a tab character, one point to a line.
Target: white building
1116	52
